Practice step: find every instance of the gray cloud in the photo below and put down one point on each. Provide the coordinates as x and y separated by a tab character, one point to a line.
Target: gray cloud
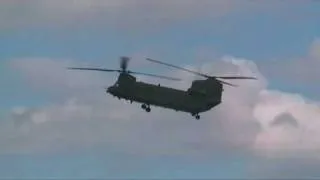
285	119
120	13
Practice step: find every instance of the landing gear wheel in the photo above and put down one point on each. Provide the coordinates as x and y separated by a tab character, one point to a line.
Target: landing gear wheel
197	116
146	107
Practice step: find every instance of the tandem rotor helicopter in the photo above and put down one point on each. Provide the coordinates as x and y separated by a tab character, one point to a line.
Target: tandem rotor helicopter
202	95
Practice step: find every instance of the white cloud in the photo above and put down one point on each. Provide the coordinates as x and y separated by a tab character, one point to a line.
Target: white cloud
251	116
299	129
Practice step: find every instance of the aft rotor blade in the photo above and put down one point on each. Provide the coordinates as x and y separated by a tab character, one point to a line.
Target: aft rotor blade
157	76
177	67
234	77
96	69
198	73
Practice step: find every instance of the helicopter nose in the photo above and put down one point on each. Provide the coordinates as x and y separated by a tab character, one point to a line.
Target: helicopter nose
109	89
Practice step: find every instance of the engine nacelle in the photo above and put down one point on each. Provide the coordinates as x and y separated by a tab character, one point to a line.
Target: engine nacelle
206	88
198	88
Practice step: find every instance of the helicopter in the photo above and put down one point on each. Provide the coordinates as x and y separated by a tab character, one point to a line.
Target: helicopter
201	96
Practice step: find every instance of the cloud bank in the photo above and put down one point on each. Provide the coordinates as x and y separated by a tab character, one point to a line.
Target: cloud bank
263	120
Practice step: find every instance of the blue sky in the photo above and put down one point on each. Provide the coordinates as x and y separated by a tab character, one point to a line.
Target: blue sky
260	36
95	164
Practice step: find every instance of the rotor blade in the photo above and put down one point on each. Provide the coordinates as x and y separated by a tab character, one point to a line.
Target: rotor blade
198	73
177	67
153	75
234	77
96	69
223	82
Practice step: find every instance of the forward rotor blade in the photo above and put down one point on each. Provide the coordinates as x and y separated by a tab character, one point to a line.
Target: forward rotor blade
96	69
234	77
177	67
157	76
223	82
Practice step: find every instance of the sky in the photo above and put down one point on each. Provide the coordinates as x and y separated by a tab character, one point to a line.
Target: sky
60	124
